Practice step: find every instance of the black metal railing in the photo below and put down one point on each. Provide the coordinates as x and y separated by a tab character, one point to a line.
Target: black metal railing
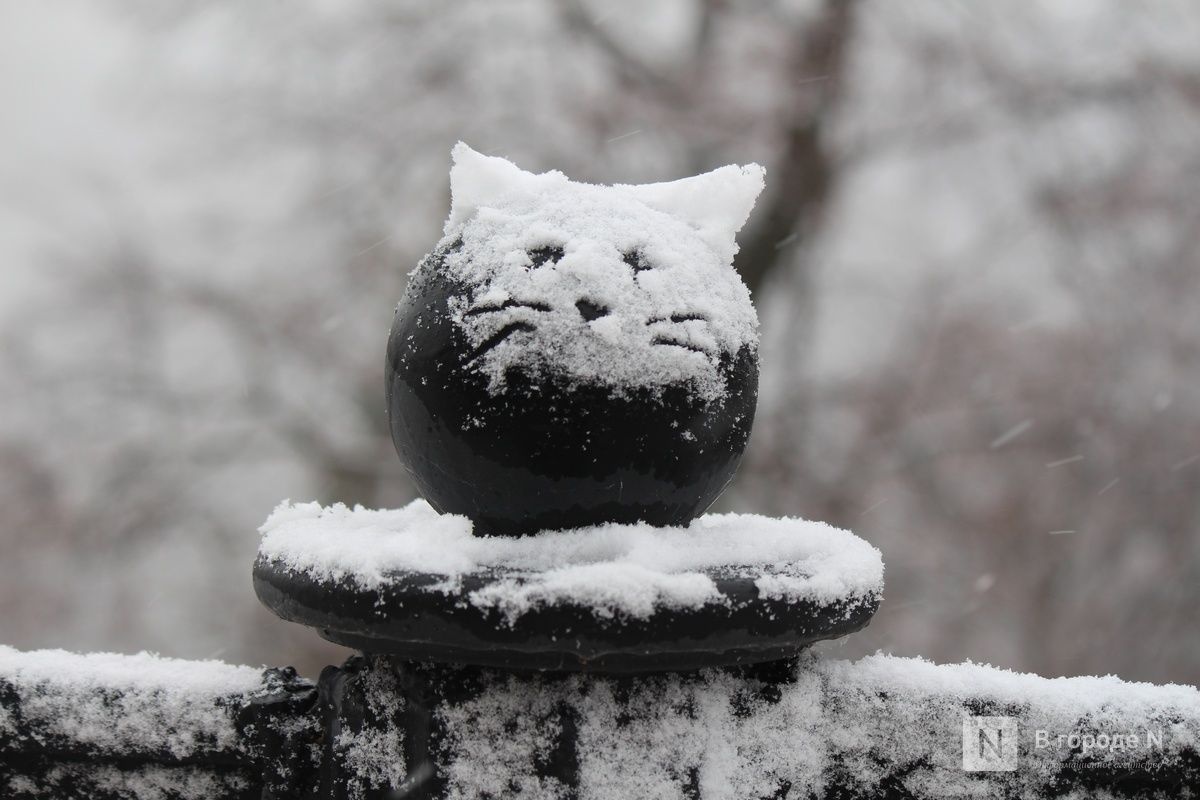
381	727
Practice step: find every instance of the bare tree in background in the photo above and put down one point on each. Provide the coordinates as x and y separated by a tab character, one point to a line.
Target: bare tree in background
1025	369
1031	480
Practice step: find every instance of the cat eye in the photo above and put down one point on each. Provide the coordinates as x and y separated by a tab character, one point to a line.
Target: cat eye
545	255
680	317
637	260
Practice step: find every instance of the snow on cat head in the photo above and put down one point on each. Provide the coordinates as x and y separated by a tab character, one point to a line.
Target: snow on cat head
622	286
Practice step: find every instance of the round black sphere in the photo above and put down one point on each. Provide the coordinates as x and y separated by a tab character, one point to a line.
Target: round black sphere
548	451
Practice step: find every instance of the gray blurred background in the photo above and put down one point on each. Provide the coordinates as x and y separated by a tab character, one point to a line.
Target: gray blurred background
977	265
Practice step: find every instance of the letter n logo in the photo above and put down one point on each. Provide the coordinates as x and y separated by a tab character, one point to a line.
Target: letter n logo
989	744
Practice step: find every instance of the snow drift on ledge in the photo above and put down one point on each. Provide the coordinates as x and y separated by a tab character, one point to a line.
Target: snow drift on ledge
125	703
879	727
630	569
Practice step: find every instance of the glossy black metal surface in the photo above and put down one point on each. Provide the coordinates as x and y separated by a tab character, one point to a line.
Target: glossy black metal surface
548	453
405	617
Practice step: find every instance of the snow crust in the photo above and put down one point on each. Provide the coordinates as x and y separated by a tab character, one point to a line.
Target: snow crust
879	725
631	569
717	204
656	258
371	749
142	782
126	704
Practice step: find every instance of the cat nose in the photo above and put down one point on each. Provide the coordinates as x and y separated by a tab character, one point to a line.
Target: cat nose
590	311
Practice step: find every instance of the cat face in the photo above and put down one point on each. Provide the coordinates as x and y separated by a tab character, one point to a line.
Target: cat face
571	355
626	287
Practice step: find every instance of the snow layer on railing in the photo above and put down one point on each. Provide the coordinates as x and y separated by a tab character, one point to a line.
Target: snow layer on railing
882	726
628	568
144	782
124	704
370	749
888	716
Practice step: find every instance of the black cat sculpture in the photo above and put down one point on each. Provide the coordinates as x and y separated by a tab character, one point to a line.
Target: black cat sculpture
571	355
568	356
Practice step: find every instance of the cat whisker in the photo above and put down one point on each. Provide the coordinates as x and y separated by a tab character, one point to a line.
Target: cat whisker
499	336
507	304
670	342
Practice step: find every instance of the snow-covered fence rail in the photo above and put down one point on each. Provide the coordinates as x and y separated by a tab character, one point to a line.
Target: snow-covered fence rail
882	727
141	727
109	726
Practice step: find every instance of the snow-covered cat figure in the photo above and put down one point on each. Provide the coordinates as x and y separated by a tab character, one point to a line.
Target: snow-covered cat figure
572	354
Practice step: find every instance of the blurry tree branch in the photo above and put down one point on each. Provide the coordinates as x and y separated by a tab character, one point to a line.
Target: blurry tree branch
1049	185
804	172
579	19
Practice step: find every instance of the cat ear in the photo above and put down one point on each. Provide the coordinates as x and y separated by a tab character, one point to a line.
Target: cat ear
717	203
477	180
